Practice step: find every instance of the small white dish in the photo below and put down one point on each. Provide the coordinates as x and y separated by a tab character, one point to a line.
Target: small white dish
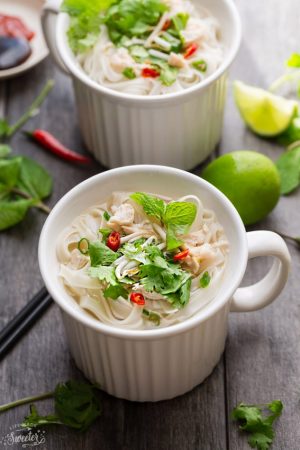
161	363
29	11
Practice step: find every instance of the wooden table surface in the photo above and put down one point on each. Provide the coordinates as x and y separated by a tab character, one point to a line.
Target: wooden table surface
262	357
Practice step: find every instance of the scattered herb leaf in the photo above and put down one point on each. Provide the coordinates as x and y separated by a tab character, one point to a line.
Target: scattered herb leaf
288	165
258	420
100	254
106	216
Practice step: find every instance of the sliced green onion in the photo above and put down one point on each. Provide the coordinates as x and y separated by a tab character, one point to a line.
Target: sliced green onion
176	44
158	54
106	216
83	246
204	280
162	43
152	316
200	65
138	52
128	72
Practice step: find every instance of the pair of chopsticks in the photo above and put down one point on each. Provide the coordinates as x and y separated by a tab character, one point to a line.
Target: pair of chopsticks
18	326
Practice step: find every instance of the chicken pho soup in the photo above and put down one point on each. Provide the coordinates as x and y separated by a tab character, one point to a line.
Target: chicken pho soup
145	47
141	261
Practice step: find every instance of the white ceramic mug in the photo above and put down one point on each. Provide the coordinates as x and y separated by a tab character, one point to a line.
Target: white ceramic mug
179	129
151	365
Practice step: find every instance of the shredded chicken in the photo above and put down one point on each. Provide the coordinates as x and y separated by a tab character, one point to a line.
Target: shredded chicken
124	215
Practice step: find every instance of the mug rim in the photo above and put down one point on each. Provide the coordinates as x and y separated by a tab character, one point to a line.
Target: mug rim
191	322
69	60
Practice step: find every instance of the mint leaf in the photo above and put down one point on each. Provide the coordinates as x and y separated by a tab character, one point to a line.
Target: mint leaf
5	150
34	179
100	254
13	212
178	218
9	173
153	206
204	280
294	60
104	273
288	165
115	291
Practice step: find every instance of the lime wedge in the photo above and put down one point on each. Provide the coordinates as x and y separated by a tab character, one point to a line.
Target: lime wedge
266	114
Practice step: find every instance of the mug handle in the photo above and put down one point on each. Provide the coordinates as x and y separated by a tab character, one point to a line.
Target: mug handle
48	18
262	293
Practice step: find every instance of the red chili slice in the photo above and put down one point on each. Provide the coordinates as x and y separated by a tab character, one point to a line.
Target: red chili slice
190	50
114	241
12	26
138	298
181	255
147	72
167	24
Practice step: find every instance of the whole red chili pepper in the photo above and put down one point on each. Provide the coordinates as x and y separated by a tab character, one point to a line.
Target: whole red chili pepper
49	142
114	241
138	298
181	255
147	72
190	50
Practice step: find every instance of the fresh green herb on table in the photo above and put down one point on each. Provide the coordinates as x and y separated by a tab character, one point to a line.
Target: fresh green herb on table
75	405
257	421
23	182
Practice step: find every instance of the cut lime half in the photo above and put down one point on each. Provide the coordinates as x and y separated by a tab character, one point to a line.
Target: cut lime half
266	114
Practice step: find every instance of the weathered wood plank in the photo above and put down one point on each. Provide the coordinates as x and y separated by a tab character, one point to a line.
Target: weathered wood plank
262	355
41	359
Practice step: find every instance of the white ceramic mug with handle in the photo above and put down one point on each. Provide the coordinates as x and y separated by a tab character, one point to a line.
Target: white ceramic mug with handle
179	129
160	363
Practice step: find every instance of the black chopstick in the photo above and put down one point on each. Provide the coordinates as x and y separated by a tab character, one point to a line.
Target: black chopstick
15	329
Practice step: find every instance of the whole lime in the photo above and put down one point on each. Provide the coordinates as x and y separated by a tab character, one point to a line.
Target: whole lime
249	179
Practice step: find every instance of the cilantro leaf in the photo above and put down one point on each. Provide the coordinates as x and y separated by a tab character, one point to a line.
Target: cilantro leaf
85	22
132	251
258	420
101	255
104	273
288	165
115	291
153	206
133	18
138	52
180	21
181	298
204	280
75	406
106	216
129	73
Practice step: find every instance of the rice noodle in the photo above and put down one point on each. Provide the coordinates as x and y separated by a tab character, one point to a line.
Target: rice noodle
105	62
207	245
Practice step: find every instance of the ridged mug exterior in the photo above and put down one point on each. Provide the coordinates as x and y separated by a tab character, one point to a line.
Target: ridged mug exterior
178	129
180	134
153	369
161	363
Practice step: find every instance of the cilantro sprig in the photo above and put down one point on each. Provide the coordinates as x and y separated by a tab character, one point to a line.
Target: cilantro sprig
258	421
75	405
